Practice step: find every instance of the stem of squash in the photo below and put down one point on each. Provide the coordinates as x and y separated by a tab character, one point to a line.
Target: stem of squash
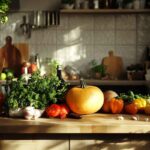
82	83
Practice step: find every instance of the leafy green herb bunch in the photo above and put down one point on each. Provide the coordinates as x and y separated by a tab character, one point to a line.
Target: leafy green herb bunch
39	92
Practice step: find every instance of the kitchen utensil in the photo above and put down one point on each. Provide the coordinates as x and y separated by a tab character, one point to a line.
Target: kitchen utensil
114	65
25	27
54	18
43	19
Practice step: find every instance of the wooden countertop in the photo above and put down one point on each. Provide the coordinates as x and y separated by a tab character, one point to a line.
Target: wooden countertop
95	123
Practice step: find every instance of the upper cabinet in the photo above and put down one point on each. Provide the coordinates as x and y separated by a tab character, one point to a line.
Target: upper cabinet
34	5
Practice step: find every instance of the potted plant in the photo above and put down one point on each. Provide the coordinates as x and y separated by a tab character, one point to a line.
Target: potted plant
67	4
128	4
98	70
4	7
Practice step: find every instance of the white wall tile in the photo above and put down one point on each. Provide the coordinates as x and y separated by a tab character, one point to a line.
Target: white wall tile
125	22
61	54
125	37
62	36
128	54
143	21
83	37
102	51
84	22
104	37
44	50
63	22
141	54
104	22
80	36
79	56
143	37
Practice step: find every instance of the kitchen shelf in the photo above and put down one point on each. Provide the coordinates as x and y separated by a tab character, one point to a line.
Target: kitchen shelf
104	82
111	82
103	11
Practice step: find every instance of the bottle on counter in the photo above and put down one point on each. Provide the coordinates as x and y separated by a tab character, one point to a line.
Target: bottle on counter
59	73
147	53
142	4
147	4
96	4
136	4
37	61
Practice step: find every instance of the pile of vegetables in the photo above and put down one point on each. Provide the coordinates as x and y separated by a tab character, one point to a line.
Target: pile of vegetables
50	94
39	92
129	103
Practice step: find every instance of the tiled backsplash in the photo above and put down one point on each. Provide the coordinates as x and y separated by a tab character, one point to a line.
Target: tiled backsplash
83	37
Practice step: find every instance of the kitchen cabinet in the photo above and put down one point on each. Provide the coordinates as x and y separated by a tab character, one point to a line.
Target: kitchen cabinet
34	144
109	144
92	132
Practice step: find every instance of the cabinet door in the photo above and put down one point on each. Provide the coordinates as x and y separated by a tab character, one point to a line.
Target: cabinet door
122	144
34	145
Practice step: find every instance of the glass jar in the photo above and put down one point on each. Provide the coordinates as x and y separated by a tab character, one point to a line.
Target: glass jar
136	4
96	4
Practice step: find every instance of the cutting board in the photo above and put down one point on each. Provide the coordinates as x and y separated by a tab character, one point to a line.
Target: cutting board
24	50
114	65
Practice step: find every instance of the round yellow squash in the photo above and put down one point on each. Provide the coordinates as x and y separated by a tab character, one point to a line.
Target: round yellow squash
85	99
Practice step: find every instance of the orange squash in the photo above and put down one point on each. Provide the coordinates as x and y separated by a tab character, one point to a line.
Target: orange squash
85	99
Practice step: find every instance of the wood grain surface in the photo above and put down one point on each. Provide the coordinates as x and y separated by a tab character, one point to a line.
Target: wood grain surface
95	123
114	65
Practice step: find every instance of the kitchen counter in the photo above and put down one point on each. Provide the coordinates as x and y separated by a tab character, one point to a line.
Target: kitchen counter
95	124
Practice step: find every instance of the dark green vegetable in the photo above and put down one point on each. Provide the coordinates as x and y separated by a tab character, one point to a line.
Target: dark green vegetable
39	92
130	96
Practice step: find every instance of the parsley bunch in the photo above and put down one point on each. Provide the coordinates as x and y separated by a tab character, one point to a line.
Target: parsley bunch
40	92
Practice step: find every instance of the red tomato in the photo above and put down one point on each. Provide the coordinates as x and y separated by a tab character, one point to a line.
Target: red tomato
53	110
131	109
64	111
32	68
